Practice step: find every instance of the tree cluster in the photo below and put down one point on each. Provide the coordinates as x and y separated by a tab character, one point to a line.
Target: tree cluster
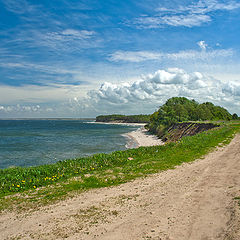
124	118
180	109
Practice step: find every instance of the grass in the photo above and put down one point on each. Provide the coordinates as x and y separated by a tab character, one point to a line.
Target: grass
35	186
238	199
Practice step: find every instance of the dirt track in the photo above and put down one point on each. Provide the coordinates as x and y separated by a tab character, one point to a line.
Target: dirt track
194	201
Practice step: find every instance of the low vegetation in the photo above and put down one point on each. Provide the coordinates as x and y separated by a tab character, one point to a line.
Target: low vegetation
238	199
124	118
34	186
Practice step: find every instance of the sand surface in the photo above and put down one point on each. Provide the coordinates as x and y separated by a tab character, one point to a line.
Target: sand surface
194	201
143	138
139	137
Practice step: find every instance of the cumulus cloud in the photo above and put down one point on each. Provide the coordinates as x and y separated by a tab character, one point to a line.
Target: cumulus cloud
156	87
232	88
192	15
150	91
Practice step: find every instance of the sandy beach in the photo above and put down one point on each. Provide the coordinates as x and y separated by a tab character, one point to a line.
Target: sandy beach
143	138
138	138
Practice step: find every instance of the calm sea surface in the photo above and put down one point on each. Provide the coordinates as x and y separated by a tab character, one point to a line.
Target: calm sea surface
36	142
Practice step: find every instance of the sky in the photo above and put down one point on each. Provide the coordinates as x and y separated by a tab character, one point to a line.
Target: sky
73	58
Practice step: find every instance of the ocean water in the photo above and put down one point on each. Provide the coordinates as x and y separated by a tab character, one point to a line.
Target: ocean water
37	142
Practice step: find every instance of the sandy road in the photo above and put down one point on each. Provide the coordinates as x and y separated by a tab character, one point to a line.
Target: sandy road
194	201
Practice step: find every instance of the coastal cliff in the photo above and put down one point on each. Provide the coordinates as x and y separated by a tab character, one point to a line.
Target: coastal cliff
179	130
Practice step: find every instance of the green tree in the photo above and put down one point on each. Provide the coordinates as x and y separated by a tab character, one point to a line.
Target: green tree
234	116
179	109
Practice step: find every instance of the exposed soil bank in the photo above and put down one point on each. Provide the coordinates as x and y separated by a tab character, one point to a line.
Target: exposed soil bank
142	137
193	201
179	130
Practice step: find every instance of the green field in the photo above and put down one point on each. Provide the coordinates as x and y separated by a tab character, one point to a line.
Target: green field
29	187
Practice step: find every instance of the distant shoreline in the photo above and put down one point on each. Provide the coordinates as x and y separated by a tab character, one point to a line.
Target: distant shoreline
121	123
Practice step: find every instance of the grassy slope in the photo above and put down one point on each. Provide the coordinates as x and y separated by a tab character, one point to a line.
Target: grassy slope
40	185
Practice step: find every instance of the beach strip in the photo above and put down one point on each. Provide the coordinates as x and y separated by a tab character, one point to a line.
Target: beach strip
138	138
143	138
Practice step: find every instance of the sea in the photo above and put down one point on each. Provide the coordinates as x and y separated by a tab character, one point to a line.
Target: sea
28	142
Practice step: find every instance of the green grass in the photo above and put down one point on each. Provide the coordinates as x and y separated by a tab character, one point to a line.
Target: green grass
31	186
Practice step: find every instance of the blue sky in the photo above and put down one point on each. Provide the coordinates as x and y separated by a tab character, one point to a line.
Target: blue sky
84	58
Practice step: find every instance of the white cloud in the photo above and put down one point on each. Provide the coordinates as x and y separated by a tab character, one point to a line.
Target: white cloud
41	101
190	20
188	16
66	40
207	6
19	7
27	94
143	95
39	67
139	56
202	45
161	84
20	108
69	35
46	74
146	94
6	109
232	88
